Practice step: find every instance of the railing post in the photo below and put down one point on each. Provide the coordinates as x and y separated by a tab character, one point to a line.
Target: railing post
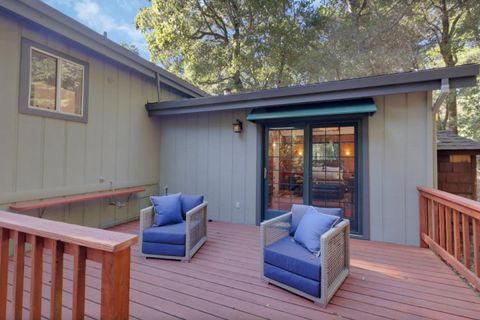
56	285
18	273
79	268
4	246
476	247
115	285
422	206
36	278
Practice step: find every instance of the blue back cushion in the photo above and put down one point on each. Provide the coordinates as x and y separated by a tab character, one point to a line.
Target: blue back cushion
299	210
168	209
189	202
311	228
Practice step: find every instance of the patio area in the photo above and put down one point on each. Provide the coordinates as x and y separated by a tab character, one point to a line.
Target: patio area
222	281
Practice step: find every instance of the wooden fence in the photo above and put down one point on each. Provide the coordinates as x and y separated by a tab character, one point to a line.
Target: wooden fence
110	249
450	226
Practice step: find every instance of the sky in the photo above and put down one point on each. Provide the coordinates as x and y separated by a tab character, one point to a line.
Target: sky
116	17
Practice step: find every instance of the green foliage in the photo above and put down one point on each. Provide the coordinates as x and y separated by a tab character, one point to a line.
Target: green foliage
251	44
245	45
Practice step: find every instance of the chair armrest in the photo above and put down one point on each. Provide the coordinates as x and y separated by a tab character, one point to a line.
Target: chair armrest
196	232
196	210
146	220
275	229
335	257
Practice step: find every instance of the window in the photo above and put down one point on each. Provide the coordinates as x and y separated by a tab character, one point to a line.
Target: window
52	84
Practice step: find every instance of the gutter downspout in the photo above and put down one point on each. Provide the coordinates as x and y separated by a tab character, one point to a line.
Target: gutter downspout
157	78
444	91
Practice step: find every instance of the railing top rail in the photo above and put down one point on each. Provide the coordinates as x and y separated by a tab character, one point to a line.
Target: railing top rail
103	240
468	206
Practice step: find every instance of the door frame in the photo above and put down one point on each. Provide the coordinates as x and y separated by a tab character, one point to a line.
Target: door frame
361	161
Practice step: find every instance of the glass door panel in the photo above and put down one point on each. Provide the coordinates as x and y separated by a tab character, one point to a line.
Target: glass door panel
333	171
284	173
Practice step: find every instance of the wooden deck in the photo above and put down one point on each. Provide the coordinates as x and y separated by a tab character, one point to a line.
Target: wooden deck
222	282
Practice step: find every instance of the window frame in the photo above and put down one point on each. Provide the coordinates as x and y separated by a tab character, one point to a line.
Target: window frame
25	83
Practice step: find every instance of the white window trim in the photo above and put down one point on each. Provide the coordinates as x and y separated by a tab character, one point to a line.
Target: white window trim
58	84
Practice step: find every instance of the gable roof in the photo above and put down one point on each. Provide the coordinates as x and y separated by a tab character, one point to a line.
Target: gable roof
366	87
47	17
447	140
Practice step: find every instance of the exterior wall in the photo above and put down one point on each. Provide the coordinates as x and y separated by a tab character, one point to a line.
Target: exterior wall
44	157
401	157
458	177
200	154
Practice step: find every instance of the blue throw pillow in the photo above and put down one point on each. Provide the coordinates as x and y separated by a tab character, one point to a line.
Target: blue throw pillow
168	209
299	210
311	228
189	202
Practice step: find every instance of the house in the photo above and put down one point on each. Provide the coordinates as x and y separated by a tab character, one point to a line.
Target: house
359	144
93	134
457	164
78	146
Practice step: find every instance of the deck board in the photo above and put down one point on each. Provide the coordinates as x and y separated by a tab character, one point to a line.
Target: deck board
222	281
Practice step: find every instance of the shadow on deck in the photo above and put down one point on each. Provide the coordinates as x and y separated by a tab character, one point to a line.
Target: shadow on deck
222	281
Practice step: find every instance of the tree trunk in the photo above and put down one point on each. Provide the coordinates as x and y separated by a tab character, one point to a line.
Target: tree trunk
449	59
452	124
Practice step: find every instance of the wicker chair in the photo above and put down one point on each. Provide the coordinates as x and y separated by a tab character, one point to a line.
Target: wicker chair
195	228
334	258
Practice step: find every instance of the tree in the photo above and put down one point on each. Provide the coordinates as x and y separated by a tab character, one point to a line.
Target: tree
448	23
242	44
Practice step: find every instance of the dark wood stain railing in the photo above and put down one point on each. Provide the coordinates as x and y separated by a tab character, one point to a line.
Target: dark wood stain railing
110	249
450	226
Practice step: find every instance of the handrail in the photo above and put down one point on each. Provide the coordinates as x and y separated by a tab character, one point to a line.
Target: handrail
110	249
450	226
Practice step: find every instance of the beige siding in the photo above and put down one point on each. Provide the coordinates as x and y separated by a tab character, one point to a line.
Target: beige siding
43	157
400	158
200	154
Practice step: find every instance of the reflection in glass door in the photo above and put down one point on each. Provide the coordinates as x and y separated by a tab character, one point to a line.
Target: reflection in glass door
284	171
315	165
333	168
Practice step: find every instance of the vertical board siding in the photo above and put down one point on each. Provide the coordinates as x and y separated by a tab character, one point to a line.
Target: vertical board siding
395	167
9	65
400	158
376	146
45	157
201	154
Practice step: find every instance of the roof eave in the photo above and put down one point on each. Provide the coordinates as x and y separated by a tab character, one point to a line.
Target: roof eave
462	76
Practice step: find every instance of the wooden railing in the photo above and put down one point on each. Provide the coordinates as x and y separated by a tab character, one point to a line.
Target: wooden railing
110	249
450	226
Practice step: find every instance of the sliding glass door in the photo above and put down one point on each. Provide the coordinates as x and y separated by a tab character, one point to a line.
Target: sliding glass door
333	169
284	172
312	164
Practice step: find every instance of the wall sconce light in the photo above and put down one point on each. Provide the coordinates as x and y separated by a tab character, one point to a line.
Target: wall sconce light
237	126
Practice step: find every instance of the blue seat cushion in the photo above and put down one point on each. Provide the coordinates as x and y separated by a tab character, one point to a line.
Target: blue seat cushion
303	284
312	226
189	202
168	209
290	256
164	249
299	210
172	234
